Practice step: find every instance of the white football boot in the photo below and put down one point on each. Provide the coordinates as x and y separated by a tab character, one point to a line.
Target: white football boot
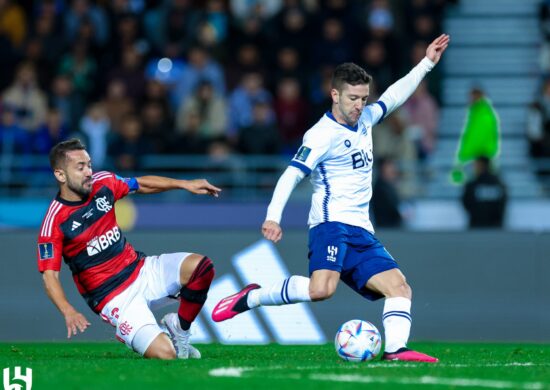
170	324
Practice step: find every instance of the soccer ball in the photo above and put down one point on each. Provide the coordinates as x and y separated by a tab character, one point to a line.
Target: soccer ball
357	341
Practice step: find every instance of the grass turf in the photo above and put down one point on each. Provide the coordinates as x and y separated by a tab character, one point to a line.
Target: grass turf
113	366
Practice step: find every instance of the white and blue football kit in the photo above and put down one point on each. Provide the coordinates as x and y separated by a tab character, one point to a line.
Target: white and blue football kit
339	160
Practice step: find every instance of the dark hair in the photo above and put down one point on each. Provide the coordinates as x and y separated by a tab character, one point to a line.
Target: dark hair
58	154
349	73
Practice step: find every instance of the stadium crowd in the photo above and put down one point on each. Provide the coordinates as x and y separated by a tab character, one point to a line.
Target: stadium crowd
136	77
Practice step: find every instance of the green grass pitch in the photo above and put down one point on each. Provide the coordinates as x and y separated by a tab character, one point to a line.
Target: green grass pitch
112	366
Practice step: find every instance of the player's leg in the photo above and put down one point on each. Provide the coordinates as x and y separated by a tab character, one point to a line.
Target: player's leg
291	290
196	274
187	277
326	254
396	318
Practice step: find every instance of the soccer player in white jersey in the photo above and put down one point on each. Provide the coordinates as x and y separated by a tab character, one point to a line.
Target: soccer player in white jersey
337	153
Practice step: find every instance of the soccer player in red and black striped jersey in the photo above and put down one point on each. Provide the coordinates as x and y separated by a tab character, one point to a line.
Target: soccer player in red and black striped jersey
118	283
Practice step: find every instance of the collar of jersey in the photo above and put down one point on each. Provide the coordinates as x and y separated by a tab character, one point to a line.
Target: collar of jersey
70	202
352	128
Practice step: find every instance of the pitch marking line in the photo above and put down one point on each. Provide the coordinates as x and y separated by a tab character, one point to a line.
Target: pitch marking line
430	380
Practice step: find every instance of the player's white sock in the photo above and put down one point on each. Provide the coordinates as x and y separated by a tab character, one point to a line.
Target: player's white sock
397	323
291	290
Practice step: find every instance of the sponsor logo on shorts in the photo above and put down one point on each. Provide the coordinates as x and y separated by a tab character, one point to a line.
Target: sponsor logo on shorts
125	328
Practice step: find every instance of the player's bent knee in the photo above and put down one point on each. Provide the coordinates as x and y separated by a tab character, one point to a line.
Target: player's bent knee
161	348
320	293
399	290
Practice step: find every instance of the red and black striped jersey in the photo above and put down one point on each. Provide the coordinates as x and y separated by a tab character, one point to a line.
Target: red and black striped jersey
86	235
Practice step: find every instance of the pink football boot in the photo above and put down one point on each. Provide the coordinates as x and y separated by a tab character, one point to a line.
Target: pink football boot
232	305
408	355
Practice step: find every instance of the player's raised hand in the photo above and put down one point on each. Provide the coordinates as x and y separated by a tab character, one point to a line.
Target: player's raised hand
272	231
202	187
75	322
437	47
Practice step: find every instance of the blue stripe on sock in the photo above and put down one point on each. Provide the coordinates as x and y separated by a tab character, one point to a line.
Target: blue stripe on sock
398	315
283	290
286	290
397	312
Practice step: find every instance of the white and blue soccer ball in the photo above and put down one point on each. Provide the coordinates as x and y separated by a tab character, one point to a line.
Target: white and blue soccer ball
358	341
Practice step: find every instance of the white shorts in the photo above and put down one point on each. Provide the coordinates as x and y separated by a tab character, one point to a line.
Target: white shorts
130	311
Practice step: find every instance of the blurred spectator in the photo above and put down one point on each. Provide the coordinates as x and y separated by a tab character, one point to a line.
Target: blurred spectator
392	141
289	65
374	59
292	113
213	27
211	109
262	136
156	126
50	133
421	114
264	9
481	133
50	42
130	73
539	139
291	29
334	45
380	27
171	26
385	204
199	67
129	145
25	99
117	103
484	197
13	23
241	101
13	138
81	68
82	12
70	105
320	98
544	23
247	60
94	132
189	141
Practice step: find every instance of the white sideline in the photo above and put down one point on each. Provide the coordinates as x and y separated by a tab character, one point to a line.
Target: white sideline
235	372
430	380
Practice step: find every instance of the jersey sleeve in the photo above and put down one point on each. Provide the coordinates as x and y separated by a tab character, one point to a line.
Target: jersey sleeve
376	112
315	146
121	186
50	246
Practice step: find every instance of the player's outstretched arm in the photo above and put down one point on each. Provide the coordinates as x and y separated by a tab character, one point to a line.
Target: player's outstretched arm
74	320
403	88
155	184
285	185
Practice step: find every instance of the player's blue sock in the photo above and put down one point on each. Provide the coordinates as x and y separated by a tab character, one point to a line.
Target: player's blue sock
291	290
397	323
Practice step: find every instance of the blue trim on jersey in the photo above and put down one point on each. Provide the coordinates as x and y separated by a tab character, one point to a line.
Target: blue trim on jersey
354	128
384	109
301	167
283	291
327	191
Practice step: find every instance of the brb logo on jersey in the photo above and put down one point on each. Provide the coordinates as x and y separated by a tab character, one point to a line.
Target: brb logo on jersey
361	159
99	244
103	204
